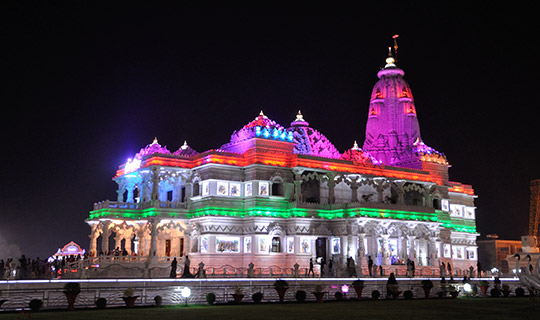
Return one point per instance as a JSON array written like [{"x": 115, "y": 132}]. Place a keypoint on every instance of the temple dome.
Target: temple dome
[
  {"x": 310, "y": 141},
  {"x": 185, "y": 150},
  {"x": 260, "y": 127},
  {"x": 152, "y": 148},
  {"x": 392, "y": 126},
  {"x": 359, "y": 156}
]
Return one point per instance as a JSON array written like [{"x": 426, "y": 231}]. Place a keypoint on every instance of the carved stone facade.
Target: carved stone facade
[{"x": 276, "y": 196}]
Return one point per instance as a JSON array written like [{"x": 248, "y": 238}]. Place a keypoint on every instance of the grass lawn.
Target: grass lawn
[{"x": 458, "y": 309}]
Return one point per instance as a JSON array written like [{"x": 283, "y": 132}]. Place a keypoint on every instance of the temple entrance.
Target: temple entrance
[
  {"x": 320, "y": 248},
  {"x": 181, "y": 247},
  {"x": 168, "y": 247}
]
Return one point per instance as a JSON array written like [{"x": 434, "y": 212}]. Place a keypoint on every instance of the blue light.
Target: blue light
[
  {"x": 266, "y": 133},
  {"x": 257, "y": 131}
]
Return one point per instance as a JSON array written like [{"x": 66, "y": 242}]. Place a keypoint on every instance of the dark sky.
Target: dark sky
[{"x": 85, "y": 88}]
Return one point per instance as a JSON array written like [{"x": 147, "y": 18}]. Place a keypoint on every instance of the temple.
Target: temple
[{"x": 278, "y": 196}]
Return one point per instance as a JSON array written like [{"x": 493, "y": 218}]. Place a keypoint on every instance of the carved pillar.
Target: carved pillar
[
  {"x": 412, "y": 248},
  {"x": 399, "y": 189},
  {"x": 155, "y": 184},
  {"x": 94, "y": 234},
  {"x": 130, "y": 187},
  {"x": 153, "y": 238},
  {"x": 403, "y": 252},
  {"x": 380, "y": 186},
  {"x": 331, "y": 184},
  {"x": 432, "y": 252},
  {"x": 384, "y": 249},
  {"x": 105, "y": 237},
  {"x": 128, "y": 235},
  {"x": 298, "y": 185},
  {"x": 354, "y": 190},
  {"x": 362, "y": 260}
]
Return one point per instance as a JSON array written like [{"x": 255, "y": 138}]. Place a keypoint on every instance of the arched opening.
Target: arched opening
[
  {"x": 196, "y": 191},
  {"x": 311, "y": 191},
  {"x": 277, "y": 189},
  {"x": 437, "y": 204},
  {"x": 276, "y": 244}
]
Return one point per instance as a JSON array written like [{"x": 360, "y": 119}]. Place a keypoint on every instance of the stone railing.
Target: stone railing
[
  {"x": 16, "y": 294},
  {"x": 139, "y": 205}
]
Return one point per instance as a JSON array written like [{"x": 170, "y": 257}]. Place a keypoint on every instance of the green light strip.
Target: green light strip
[{"x": 443, "y": 218}]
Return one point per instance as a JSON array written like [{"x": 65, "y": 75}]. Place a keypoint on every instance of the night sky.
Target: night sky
[{"x": 85, "y": 88}]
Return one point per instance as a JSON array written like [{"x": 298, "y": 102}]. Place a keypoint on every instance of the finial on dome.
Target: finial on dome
[
  {"x": 355, "y": 146},
  {"x": 185, "y": 145},
  {"x": 299, "y": 121},
  {"x": 299, "y": 116},
  {"x": 155, "y": 141},
  {"x": 390, "y": 59}
]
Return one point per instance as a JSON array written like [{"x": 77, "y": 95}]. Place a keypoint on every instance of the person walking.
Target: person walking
[
  {"x": 311, "y": 268},
  {"x": 370, "y": 266},
  {"x": 174, "y": 264}
]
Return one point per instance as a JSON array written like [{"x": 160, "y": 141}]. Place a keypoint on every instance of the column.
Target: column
[
  {"x": 331, "y": 184},
  {"x": 153, "y": 238},
  {"x": 298, "y": 184},
  {"x": 105, "y": 237},
  {"x": 94, "y": 234},
  {"x": 155, "y": 184},
  {"x": 128, "y": 237},
  {"x": 432, "y": 253},
  {"x": 399, "y": 190},
  {"x": 354, "y": 191},
  {"x": 385, "y": 252},
  {"x": 412, "y": 248}
]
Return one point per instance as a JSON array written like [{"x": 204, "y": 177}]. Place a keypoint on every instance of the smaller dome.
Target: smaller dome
[
  {"x": 260, "y": 127},
  {"x": 152, "y": 148},
  {"x": 310, "y": 141},
  {"x": 427, "y": 153},
  {"x": 185, "y": 150},
  {"x": 358, "y": 156}
]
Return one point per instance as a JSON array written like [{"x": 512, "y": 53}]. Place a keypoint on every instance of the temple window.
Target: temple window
[
  {"x": 196, "y": 191},
  {"x": 276, "y": 244},
  {"x": 277, "y": 189}
]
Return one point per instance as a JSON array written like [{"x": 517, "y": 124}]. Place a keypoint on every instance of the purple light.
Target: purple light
[{"x": 345, "y": 288}]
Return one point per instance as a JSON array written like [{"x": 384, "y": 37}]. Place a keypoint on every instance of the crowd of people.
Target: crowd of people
[{"x": 27, "y": 268}]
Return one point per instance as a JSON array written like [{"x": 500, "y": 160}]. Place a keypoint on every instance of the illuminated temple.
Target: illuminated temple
[{"x": 277, "y": 196}]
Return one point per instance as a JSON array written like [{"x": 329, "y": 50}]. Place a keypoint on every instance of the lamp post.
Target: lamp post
[{"x": 186, "y": 293}]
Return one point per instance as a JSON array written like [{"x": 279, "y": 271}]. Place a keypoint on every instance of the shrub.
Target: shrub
[
  {"x": 210, "y": 298},
  {"x": 101, "y": 303},
  {"x": 358, "y": 283},
  {"x": 35, "y": 305},
  {"x": 257, "y": 297},
  {"x": 520, "y": 292},
  {"x": 338, "y": 295},
  {"x": 427, "y": 283},
  {"x": 495, "y": 292},
  {"x": 278, "y": 284},
  {"x": 318, "y": 288},
  {"x": 72, "y": 287},
  {"x": 129, "y": 292},
  {"x": 375, "y": 294},
  {"x": 300, "y": 296},
  {"x": 408, "y": 294},
  {"x": 158, "y": 300}
]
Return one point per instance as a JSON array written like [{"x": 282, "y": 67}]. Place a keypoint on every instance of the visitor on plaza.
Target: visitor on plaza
[
  {"x": 174, "y": 264},
  {"x": 370, "y": 266}
]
